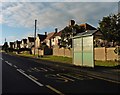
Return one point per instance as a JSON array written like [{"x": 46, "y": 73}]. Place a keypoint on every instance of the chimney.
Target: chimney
[
  {"x": 46, "y": 33},
  {"x": 56, "y": 30},
  {"x": 71, "y": 22}
]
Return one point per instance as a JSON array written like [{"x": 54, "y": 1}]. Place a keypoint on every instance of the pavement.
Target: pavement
[{"x": 111, "y": 74}]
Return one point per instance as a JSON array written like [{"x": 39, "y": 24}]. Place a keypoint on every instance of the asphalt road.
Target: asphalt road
[{"x": 22, "y": 75}]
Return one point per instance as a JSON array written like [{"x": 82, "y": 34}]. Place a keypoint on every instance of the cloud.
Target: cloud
[
  {"x": 59, "y": 0},
  {"x": 23, "y": 14}
]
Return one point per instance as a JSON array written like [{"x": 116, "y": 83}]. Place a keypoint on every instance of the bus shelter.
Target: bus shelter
[{"x": 83, "y": 49}]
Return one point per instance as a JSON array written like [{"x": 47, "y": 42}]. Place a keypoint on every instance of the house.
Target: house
[
  {"x": 30, "y": 42},
  {"x": 12, "y": 45},
  {"x": 17, "y": 44},
  {"x": 39, "y": 39},
  {"x": 23, "y": 43},
  {"x": 56, "y": 39},
  {"x": 48, "y": 39}
]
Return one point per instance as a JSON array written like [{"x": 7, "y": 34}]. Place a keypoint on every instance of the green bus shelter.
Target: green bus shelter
[{"x": 83, "y": 49}]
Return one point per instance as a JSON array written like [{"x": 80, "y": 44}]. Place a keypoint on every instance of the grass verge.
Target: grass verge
[
  {"x": 106, "y": 63},
  {"x": 69, "y": 60}
]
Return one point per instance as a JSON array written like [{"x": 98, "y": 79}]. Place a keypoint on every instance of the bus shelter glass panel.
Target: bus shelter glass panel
[
  {"x": 88, "y": 57},
  {"x": 77, "y": 60}
]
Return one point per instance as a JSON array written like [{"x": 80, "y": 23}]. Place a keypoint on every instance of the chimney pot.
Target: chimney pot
[
  {"x": 46, "y": 33},
  {"x": 56, "y": 30},
  {"x": 71, "y": 22}
]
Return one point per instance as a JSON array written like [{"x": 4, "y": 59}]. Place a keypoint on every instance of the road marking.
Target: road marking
[
  {"x": 79, "y": 78},
  {"x": 55, "y": 90},
  {"x": 95, "y": 76},
  {"x": 15, "y": 66},
  {"x": 37, "y": 69},
  {"x": 1, "y": 58},
  {"x": 44, "y": 69},
  {"x": 21, "y": 71},
  {"x": 84, "y": 76},
  {"x": 65, "y": 77},
  {"x": 8, "y": 63},
  {"x": 50, "y": 69},
  {"x": 33, "y": 77}
]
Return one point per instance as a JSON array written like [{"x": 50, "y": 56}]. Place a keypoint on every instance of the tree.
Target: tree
[
  {"x": 68, "y": 32},
  {"x": 109, "y": 26}
]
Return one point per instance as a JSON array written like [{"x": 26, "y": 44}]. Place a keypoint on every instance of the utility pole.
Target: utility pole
[
  {"x": 5, "y": 39},
  {"x": 35, "y": 35}
]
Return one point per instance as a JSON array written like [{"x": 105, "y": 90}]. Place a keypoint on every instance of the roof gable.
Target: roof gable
[
  {"x": 58, "y": 33},
  {"x": 24, "y": 40},
  {"x": 88, "y": 26},
  {"x": 41, "y": 37},
  {"x": 31, "y": 39},
  {"x": 50, "y": 35}
]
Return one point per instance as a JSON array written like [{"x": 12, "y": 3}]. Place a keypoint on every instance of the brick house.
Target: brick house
[
  {"x": 30, "y": 42},
  {"x": 12, "y": 45},
  {"x": 17, "y": 44},
  {"x": 39, "y": 39},
  {"x": 48, "y": 39},
  {"x": 56, "y": 38},
  {"x": 23, "y": 43}
]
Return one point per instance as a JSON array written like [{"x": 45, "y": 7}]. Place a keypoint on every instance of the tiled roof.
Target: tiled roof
[
  {"x": 41, "y": 37},
  {"x": 50, "y": 35},
  {"x": 58, "y": 33},
  {"x": 24, "y": 40},
  {"x": 18, "y": 42},
  {"x": 11, "y": 43},
  {"x": 31, "y": 39},
  {"x": 88, "y": 26}
]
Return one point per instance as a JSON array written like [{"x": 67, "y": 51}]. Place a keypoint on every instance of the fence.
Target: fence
[
  {"x": 101, "y": 53},
  {"x": 62, "y": 52},
  {"x": 104, "y": 54}
]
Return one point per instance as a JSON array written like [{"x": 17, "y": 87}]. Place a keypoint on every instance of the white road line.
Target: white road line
[
  {"x": 95, "y": 76},
  {"x": 33, "y": 77},
  {"x": 8, "y": 63},
  {"x": 65, "y": 77},
  {"x": 44, "y": 69},
  {"x": 49, "y": 69},
  {"x": 55, "y": 90},
  {"x": 1, "y": 58},
  {"x": 21, "y": 71},
  {"x": 15, "y": 66}
]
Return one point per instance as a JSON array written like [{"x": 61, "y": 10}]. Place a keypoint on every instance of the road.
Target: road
[{"x": 22, "y": 75}]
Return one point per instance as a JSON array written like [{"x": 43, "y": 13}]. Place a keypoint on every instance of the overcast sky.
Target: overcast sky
[{"x": 17, "y": 18}]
